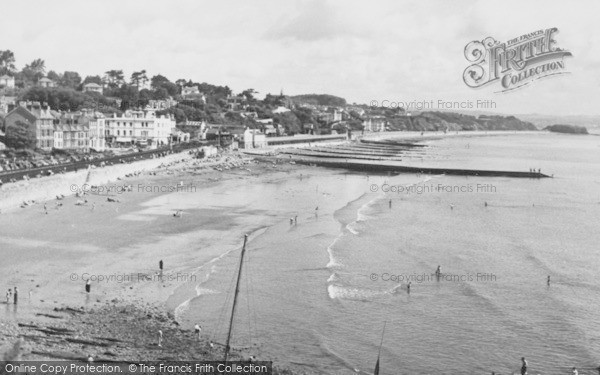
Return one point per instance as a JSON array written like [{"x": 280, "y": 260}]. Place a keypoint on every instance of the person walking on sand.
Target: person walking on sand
[
  {"x": 8, "y": 293},
  {"x": 438, "y": 272},
  {"x": 296, "y": 220},
  {"x": 390, "y": 203},
  {"x": 197, "y": 330},
  {"x": 548, "y": 280},
  {"x": 160, "y": 265},
  {"x": 408, "y": 287},
  {"x": 88, "y": 286},
  {"x": 16, "y": 295},
  {"x": 523, "y": 366},
  {"x": 575, "y": 372},
  {"x": 160, "y": 338}
]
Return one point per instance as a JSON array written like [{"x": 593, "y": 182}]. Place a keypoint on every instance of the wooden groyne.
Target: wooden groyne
[
  {"x": 366, "y": 166},
  {"x": 391, "y": 143}
]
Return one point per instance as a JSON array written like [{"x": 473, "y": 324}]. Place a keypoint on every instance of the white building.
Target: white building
[
  {"x": 189, "y": 90},
  {"x": 254, "y": 138},
  {"x": 158, "y": 105},
  {"x": 46, "y": 82},
  {"x": 374, "y": 124},
  {"x": 139, "y": 127},
  {"x": 97, "y": 132},
  {"x": 92, "y": 87},
  {"x": 7, "y": 81}
]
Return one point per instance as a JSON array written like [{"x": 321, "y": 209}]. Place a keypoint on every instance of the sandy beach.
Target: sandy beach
[{"x": 115, "y": 235}]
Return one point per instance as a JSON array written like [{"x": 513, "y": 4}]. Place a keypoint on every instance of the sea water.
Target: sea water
[{"x": 315, "y": 294}]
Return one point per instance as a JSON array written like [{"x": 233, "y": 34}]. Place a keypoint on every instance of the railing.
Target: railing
[{"x": 6, "y": 176}]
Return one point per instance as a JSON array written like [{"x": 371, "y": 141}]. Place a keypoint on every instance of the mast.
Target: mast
[
  {"x": 376, "y": 372},
  {"x": 237, "y": 289}
]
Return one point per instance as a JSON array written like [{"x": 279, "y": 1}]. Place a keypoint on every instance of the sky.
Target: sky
[{"x": 363, "y": 51}]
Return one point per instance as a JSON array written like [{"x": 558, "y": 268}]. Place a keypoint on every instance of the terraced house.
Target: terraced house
[
  {"x": 71, "y": 131},
  {"x": 30, "y": 125}
]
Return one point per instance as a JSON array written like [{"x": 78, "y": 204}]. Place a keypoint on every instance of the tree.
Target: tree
[
  {"x": 38, "y": 66},
  {"x": 160, "y": 83},
  {"x": 7, "y": 62},
  {"x": 249, "y": 94},
  {"x": 70, "y": 79},
  {"x": 139, "y": 78},
  {"x": 20, "y": 136},
  {"x": 114, "y": 78},
  {"x": 129, "y": 96},
  {"x": 93, "y": 79},
  {"x": 54, "y": 76}
]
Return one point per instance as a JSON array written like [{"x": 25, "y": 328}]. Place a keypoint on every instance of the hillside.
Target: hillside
[
  {"x": 319, "y": 99},
  {"x": 440, "y": 121}
]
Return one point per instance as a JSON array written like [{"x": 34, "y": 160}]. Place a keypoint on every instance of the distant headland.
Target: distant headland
[{"x": 569, "y": 129}]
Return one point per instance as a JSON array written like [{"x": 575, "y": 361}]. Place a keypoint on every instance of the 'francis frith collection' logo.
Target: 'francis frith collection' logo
[{"x": 515, "y": 63}]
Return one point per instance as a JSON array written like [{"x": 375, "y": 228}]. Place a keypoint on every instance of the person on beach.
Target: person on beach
[
  {"x": 575, "y": 372},
  {"x": 523, "y": 366},
  {"x": 408, "y": 287},
  {"x": 16, "y": 295},
  {"x": 295, "y": 219},
  {"x": 485, "y": 204},
  {"x": 291, "y": 220},
  {"x": 197, "y": 330},
  {"x": 8, "y": 293},
  {"x": 438, "y": 272},
  {"x": 548, "y": 280},
  {"x": 390, "y": 204},
  {"x": 88, "y": 286},
  {"x": 160, "y": 265},
  {"x": 160, "y": 338}
]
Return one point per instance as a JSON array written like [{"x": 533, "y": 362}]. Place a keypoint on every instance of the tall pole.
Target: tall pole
[{"x": 237, "y": 289}]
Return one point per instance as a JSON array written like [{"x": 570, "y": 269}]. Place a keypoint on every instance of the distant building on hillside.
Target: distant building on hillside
[
  {"x": 235, "y": 103},
  {"x": 7, "y": 103},
  {"x": 46, "y": 82},
  {"x": 92, "y": 87},
  {"x": 280, "y": 110},
  {"x": 160, "y": 105},
  {"x": 7, "y": 81},
  {"x": 189, "y": 90},
  {"x": 30, "y": 121}
]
